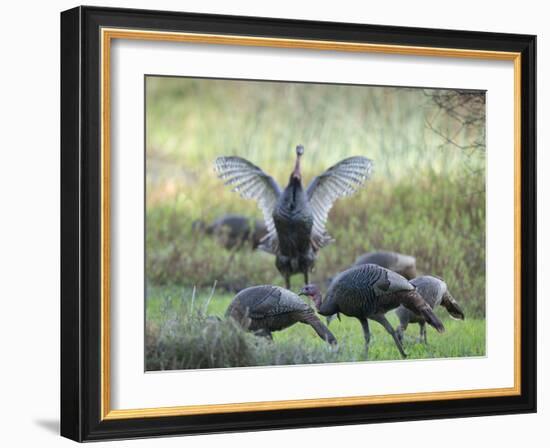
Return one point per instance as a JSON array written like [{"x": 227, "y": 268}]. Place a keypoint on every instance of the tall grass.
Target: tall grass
[{"x": 192, "y": 121}]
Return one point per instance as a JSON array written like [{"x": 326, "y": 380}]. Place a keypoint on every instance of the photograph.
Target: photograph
[{"x": 292, "y": 223}]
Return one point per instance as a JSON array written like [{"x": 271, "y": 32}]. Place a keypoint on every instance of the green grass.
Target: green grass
[
  {"x": 182, "y": 334},
  {"x": 426, "y": 198}
]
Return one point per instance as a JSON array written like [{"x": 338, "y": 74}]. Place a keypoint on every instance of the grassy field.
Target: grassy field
[
  {"x": 426, "y": 198},
  {"x": 182, "y": 333}
]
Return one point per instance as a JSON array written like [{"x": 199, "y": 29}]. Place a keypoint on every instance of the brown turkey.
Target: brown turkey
[
  {"x": 368, "y": 292},
  {"x": 265, "y": 309},
  {"x": 435, "y": 293},
  {"x": 234, "y": 231},
  {"x": 295, "y": 217},
  {"x": 404, "y": 265}
]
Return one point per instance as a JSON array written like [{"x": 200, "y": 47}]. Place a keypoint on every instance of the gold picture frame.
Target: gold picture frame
[{"x": 108, "y": 30}]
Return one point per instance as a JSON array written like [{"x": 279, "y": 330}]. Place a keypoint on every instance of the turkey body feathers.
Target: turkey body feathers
[
  {"x": 400, "y": 263},
  {"x": 293, "y": 220},
  {"x": 267, "y": 308},
  {"x": 232, "y": 231},
  {"x": 364, "y": 290},
  {"x": 431, "y": 289}
]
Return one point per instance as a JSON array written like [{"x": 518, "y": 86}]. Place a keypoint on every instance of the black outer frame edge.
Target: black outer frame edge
[
  {"x": 529, "y": 222},
  {"x": 71, "y": 384},
  {"x": 84, "y": 388},
  {"x": 307, "y": 29}
]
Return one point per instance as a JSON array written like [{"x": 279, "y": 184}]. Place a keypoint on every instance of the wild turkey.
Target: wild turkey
[
  {"x": 233, "y": 231},
  {"x": 368, "y": 292},
  {"x": 264, "y": 309},
  {"x": 435, "y": 292},
  {"x": 404, "y": 265},
  {"x": 295, "y": 218},
  {"x": 400, "y": 263},
  {"x": 260, "y": 230}
]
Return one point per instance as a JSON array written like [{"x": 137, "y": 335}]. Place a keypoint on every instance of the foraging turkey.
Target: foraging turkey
[
  {"x": 233, "y": 231},
  {"x": 404, "y": 265},
  {"x": 264, "y": 309},
  {"x": 435, "y": 293},
  {"x": 368, "y": 292},
  {"x": 394, "y": 261},
  {"x": 295, "y": 217}
]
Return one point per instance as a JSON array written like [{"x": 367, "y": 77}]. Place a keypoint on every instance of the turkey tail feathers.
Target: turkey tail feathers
[
  {"x": 418, "y": 305},
  {"x": 431, "y": 318},
  {"x": 450, "y": 304}
]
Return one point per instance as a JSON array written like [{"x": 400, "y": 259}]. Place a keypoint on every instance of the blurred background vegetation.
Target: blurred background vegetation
[{"x": 426, "y": 196}]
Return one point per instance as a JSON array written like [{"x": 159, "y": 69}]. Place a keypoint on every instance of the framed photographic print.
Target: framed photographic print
[{"x": 272, "y": 223}]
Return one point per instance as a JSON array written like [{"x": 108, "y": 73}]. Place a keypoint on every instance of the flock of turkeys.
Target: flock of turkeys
[{"x": 294, "y": 232}]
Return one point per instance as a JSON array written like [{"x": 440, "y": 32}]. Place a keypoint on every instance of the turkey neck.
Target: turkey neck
[
  {"x": 324, "y": 308},
  {"x": 295, "y": 182},
  {"x": 297, "y": 173}
]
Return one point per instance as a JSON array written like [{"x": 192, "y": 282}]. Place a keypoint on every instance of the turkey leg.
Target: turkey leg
[
  {"x": 264, "y": 333},
  {"x": 423, "y": 334},
  {"x": 401, "y": 328},
  {"x": 366, "y": 333},
  {"x": 287, "y": 281},
  {"x": 381, "y": 319}
]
